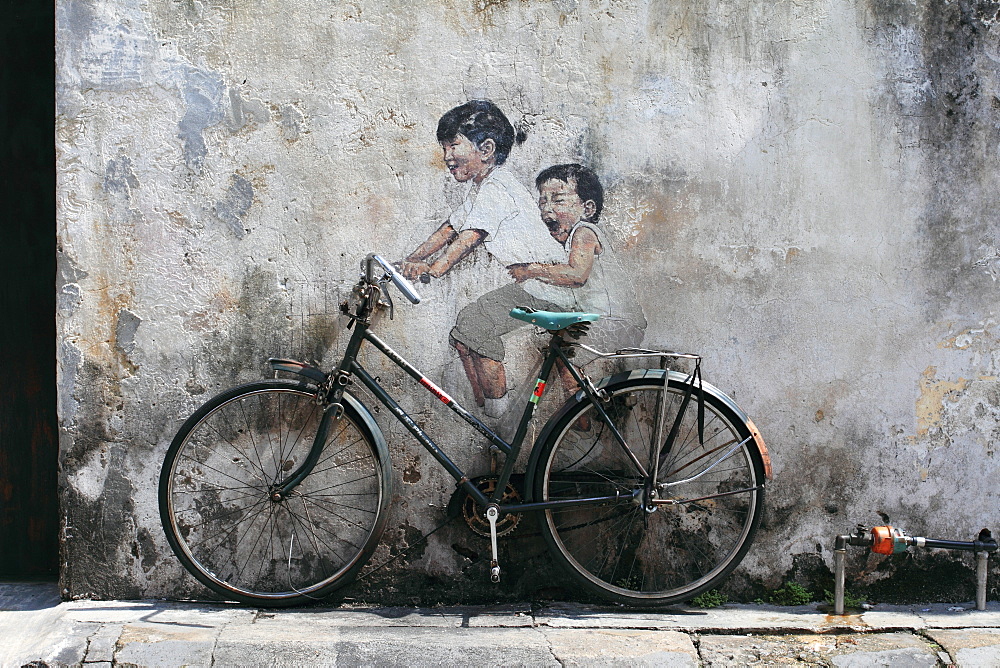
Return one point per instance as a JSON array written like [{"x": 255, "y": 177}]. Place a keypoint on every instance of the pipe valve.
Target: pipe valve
[{"x": 889, "y": 540}]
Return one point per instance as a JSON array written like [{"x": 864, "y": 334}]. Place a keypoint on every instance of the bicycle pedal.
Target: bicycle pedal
[{"x": 495, "y": 572}]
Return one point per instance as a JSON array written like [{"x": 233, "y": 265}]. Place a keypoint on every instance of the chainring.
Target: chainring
[{"x": 475, "y": 517}]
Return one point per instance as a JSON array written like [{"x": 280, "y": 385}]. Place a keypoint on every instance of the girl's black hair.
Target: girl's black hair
[
  {"x": 588, "y": 186},
  {"x": 479, "y": 120}
]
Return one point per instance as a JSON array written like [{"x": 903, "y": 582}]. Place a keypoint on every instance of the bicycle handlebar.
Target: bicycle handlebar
[{"x": 398, "y": 280}]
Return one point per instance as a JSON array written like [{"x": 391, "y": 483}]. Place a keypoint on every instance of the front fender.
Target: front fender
[{"x": 359, "y": 411}]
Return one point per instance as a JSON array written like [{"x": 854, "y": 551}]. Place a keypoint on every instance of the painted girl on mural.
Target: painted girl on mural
[{"x": 499, "y": 213}]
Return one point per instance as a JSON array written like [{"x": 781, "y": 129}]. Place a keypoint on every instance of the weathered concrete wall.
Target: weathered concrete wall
[{"x": 806, "y": 192}]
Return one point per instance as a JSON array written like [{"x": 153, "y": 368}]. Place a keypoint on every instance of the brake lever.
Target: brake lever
[{"x": 385, "y": 293}]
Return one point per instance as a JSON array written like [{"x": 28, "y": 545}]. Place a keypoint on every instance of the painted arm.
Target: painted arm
[
  {"x": 416, "y": 263},
  {"x": 464, "y": 243},
  {"x": 573, "y": 274}
]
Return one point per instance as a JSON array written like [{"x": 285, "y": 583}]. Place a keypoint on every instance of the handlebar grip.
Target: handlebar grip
[{"x": 399, "y": 281}]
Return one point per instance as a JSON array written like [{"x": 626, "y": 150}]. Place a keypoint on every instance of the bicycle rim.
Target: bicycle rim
[
  {"x": 218, "y": 514},
  {"x": 675, "y": 552}
]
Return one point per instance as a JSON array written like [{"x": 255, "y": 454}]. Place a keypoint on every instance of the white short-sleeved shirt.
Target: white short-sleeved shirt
[{"x": 503, "y": 208}]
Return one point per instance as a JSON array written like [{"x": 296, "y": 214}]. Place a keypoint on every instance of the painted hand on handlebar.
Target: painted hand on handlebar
[{"x": 413, "y": 270}]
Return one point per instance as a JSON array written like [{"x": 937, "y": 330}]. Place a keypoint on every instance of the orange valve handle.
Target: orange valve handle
[{"x": 887, "y": 540}]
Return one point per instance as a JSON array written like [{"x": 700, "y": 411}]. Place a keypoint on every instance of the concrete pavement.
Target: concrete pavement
[{"x": 37, "y": 628}]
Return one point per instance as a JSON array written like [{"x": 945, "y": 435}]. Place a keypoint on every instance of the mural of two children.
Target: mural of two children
[{"x": 559, "y": 257}]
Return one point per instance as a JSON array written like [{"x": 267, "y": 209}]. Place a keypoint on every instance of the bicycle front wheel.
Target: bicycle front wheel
[
  {"x": 710, "y": 491},
  {"x": 218, "y": 513}
]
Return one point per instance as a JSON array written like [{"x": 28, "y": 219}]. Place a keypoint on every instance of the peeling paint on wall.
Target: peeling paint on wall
[
  {"x": 203, "y": 93},
  {"x": 233, "y": 208},
  {"x": 933, "y": 395}
]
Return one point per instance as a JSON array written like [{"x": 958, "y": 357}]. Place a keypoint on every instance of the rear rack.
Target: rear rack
[{"x": 637, "y": 352}]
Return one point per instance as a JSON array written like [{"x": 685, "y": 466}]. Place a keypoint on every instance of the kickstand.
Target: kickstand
[{"x": 492, "y": 513}]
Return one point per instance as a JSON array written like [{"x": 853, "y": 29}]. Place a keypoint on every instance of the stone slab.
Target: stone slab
[
  {"x": 624, "y": 647},
  {"x": 969, "y": 648},
  {"x": 515, "y": 615},
  {"x": 28, "y": 596},
  {"x": 954, "y": 616},
  {"x": 727, "y": 618},
  {"x": 155, "y": 645},
  {"x": 164, "y": 612},
  {"x": 841, "y": 650},
  {"x": 34, "y": 628},
  {"x": 386, "y": 646},
  {"x": 103, "y": 644}
]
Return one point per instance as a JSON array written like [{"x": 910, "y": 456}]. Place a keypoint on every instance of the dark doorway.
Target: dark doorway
[{"x": 29, "y": 499}]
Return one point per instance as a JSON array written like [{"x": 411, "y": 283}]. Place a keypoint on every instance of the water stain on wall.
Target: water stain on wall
[{"x": 235, "y": 205}]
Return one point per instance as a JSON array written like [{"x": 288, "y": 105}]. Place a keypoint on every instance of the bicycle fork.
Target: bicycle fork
[{"x": 281, "y": 490}]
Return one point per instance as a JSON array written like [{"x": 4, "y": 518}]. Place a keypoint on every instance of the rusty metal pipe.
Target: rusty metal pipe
[
  {"x": 887, "y": 540},
  {"x": 982, "y": 561},
  {"x": 839, "y": 559}
]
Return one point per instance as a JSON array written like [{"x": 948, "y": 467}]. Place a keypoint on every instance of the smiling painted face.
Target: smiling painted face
[
  {"x": 466, "y": 161},
  {"x": 561, "y": 207}
]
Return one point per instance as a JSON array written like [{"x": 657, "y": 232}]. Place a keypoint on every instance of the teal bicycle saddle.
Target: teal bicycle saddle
[{"x": 550, "y": 319}]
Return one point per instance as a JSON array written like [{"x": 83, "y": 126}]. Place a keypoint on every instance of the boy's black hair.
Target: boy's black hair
[
  {"x": 588, "y": 186},
  {"x": 479, "y": 120}
]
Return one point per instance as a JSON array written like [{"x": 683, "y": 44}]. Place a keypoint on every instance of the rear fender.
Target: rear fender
[{"x": 639, "y": 374}]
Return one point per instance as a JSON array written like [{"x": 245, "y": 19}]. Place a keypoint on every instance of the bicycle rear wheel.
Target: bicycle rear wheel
[
  {"x": 216, "y": 507},
  {"x": 675, "y": 552}
]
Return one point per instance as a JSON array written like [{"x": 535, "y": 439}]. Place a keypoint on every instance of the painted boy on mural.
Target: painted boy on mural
[
  {"x": 570, "y": 201},
  {"x": 499, "y": 213}
]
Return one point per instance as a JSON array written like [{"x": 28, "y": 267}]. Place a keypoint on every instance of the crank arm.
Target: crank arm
[{"x": 492, "y": 514}]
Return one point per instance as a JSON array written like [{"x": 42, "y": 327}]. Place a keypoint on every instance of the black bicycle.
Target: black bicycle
[{"x": 649, "y": 484}]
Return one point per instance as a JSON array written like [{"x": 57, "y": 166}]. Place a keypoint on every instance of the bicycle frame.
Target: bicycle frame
[
  {"x": 373, "y": 296},
  {"x": 371, "y": 300},
  {"x": 510, "y": 450}
]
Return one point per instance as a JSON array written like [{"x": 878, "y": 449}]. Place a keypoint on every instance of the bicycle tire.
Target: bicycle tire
[
  {"x": 216, "y": 509},
  {"x": 621, "y": 552}
]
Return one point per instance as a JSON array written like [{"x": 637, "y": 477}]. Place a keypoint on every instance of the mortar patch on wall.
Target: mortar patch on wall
[
  {"x": 244, "y": 112},
  {"x": 292, "y": 122},
  {"x": 119, "y": 176},
  {"x": 125, "y": 330},
  {"x": 114, "y": 49}
]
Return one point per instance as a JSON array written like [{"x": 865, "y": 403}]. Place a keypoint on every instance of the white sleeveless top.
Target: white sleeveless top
[{"x": 608, "y": 290}]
